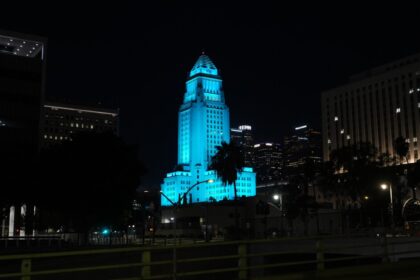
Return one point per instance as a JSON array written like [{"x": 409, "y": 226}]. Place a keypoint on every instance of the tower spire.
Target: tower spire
[{"x": 204, "y": 65}]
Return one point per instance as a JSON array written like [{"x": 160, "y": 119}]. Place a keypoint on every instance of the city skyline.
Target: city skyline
[
  {"x": 285, "y": 56},
  {"x": 237, "y": 140}
]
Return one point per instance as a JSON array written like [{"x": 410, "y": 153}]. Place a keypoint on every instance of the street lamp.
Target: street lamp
[
  {"x": 177, "y": 204},
  {"x": 210, "y": 181},
  {"x": 278, "y": 201},
  {"x": 384, "y": 187}
]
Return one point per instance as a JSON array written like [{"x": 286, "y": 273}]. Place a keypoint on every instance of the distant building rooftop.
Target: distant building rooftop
[
  {"x": 21, "y": 44},
  {"x": 81, "y": 108},
  {"x": 386, "y": 68}
]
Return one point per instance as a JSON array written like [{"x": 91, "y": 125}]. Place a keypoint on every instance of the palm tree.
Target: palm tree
[
  {"x": 355, "y": 162},
  {"x": 227, "y": 162},
  {"x": 401, "y": 148}
]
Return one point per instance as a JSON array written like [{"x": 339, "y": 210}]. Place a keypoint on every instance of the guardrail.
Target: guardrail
[
  {"x": 30, "y": 241},
  {"x": 238, "y": 259}
]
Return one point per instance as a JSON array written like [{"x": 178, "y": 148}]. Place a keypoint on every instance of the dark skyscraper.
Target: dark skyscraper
[
  {"x": 303, "y": 144},
  {"x": 22, "y": 84},
  {"x": 268, "y": 162},
  {"x": 376, "y": 106},
  {"x": 244, "y": 138}
]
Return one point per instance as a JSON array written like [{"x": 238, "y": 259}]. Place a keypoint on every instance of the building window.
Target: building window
[
  {"x": 398, "y": 110},
  {"x": 336, "y": 118}
]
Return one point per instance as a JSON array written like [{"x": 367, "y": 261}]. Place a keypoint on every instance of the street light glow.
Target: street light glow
[
  {"x": 366, "y": 197},
  {"x": 276, "y": 197},
  {"x": 210, "y": 181},
  {"x": 384, "y": 186}
]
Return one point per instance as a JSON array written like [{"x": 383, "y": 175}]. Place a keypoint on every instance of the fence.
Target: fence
[
  {"x": 30, "y": 242},
  {"x": 220, "y": 260}
]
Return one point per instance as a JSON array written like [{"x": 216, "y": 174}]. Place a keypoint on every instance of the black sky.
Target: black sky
[{"x": 275, "y": 59}]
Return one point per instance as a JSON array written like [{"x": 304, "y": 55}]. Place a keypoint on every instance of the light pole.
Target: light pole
[
  {"x": 190, "y": 188},
  {"x": 384, "y": 187},
  {"x": 176, "y": 205},
  {"x": 278, "y": 200}
]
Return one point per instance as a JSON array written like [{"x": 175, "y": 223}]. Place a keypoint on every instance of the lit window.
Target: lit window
[
  {"x": 415, "y": 139},
  {"x": 336, "y": 118},
  {"x": 329, "y": 141},
  {"x": 398, "y": 110},
  {"x": 411, "y": 91},
  {"x": 342, "y": 131},
  {"x": 348, "y": 137}
]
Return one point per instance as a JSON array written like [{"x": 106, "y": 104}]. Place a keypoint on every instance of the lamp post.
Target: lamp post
[
  {"x": 278, "y": 200},
  {"x": 190, "y": 188},
  {"x": 177, "y": 204},
  {"x": 384, "y": 187}
]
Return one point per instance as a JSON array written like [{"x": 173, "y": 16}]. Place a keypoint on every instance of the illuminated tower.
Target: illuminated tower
[{"x": 203, "y": 124}]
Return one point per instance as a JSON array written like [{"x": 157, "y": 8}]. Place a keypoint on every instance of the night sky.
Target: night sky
[{"x": 275, "y": 61}]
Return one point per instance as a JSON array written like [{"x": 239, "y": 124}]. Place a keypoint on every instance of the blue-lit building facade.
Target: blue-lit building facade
[{"x": 203, "y": 124}]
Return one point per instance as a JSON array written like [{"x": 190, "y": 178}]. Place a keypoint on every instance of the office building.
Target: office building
[
  {"x": 63, "y": 120},
  {"x": 376, "y": 106},
  {"x": 245, "y": 140},
  {"x": 22, "y": 85},
  {"x": 304, "y": 143},
  {"x": 203, "y": 124},
  {"x": 268, "y": 162}
]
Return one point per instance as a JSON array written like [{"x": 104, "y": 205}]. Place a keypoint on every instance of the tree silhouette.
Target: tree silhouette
[
  {"x": 89, "y": 182},
  {"x": 401, "y": 148},
  {"x": 227, "y": 162},
  {"x": 356, "y": 163}
]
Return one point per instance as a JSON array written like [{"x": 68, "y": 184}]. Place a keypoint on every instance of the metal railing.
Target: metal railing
[{"x": 239, "y": 259}]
